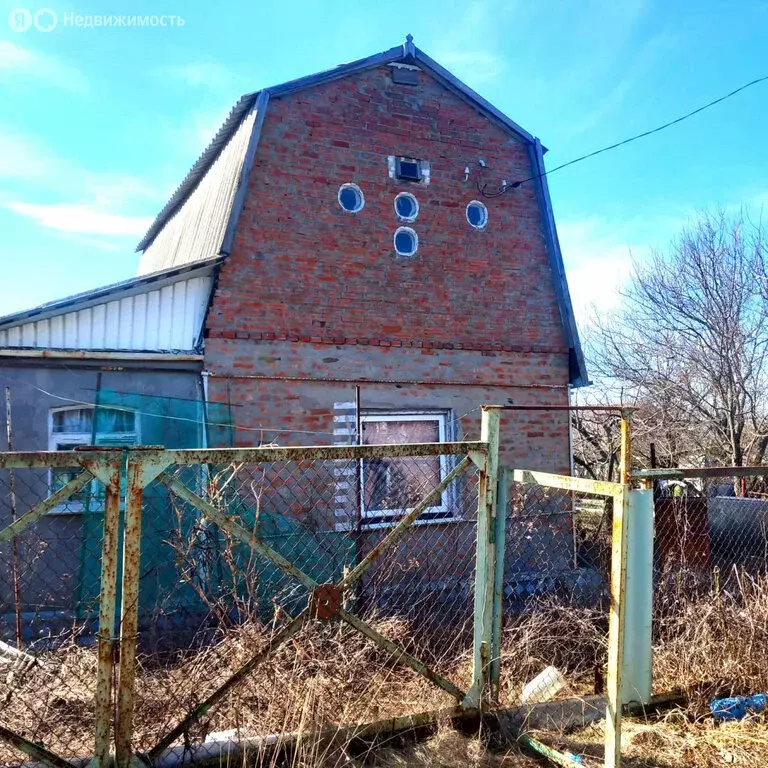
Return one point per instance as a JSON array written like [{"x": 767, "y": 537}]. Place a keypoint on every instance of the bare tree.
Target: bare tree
[{"x": 689, "y": 345}]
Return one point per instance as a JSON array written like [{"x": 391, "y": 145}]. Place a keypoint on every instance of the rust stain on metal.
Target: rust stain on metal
[
  {"x": 35, "y": 751},
  {"x": 400, "y": 654},
  {"x": 50, "y": 459},
  {"x": 235, "y": 529},
  {"x": 130, "y": 614},
  {"x": 310, "y": 453},
  {"x": 107, "y": 610},
  {"x": 325, "y": 601},
  {"x": 46, "y": 505}
]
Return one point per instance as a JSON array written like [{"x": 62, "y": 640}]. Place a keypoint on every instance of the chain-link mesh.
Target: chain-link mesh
[
  {"x": 710, "y": 582},
  {"x": 49, "y": 606},
  {"x": 556, "y": 593},
  {"x": 210, "y": 602}
]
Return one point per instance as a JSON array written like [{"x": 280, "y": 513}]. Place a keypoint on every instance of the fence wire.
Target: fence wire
[
  {"x": 49, "y": 604},
  {"x": 556, "y": 593},
  {"x": 710, "y": 583},
  {"x": 209, "y": 602}
]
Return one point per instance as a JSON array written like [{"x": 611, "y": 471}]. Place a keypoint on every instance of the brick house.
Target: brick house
[
  {"x": 357, "y": 236},
  {"x": 364, "y": 243}
]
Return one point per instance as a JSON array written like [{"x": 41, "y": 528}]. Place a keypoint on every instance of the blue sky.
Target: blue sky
[{"x": 99, "y": 125}]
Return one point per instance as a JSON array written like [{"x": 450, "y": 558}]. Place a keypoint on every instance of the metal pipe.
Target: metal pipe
[
  {"x": 616, "y": 619},
  {"x": 107, "y": 610},
  {"x": 129, "y": 614},
  {"x": 498, "y": 581}
]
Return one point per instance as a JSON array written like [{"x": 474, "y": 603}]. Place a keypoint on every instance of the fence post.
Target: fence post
[
  {"x": 636, "y": 675},
  {"x": 485, "y": 555},
  {"x": 499, "y": 533},
  {"x": 138, "y": 474},
  {"x": 617, "y": 610},
  {"x": 107, "y": 609}
]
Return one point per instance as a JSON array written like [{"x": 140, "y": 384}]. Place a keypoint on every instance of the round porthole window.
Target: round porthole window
[
  {"x": 406, "y": 206},
  {"x": 406, "y": 241},
  {"x": 351, "y": 198},
  {"x": 477, "y": 214}
]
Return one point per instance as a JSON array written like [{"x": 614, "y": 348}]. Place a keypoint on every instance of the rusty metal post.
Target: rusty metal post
[
  {"x": 485, "y": 557},
  {"x": 107, "y": 603},
  {"x": 142, "y": 466},
  {"x": 129, "y": 615},
  {"x": 617, "y": 610}
]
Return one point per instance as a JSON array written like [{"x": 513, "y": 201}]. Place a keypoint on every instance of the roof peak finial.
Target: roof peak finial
[{"x": 409, "y": 47}]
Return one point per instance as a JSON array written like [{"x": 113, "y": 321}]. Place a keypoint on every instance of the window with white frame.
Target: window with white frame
[
  {"x": 391, "y": 487},
  {"x": 72, "y": 427}
]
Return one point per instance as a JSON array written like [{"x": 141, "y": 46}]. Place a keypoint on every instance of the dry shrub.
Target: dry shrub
[
  {"x": 52, "y": 701},
  {"x": 572, "y": 638},
  {"x": 713, "y": 643}
]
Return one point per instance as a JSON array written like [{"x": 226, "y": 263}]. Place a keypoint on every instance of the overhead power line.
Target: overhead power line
[{"x": 504, "y": 189}]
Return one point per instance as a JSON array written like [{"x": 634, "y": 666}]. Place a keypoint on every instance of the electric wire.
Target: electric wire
[{"x": 482, "y": 189}]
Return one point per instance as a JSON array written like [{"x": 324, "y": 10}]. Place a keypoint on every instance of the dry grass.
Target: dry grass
[
  {"x": 678, "y": 740},
  {"x": 329, "y": 675}
]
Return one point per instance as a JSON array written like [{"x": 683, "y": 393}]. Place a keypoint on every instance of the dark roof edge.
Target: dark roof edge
[
  {"x": 105, "y": 291},
  {"x": 407, "y": 52},
  {"x": 577, "y": 368},
  {"x": 455, "y": 84}
]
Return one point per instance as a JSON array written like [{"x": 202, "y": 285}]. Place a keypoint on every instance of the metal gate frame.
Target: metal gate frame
[
  {"x": 151, "y": 464},
  {"x": 142, "y": 465},
  {"x": 104, "y": 465}
]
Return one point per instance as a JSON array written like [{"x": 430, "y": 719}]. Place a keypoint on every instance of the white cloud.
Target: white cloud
[
  {"x": 82, "y": 218},
  {"x": 459, "y": 51},
  {"x": 22, "y": 66},
  {"x": 38, "y": 184},
  {"x": 24, "y": 158},
  {"x": 598, "y": 261},
  {"x": 203, "y": 74}
]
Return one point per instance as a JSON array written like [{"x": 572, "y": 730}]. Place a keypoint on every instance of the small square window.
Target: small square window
[{"x": 407, "y": 169}]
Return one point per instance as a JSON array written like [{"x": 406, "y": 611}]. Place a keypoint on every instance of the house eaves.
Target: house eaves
[{"x": 161, "y": 313}]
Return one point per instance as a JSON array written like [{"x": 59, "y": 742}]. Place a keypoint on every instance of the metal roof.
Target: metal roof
[{"x": 110, "y": 292}]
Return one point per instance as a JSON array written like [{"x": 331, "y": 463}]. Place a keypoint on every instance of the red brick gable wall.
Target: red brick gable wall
[{"x": 302, "y": 269}]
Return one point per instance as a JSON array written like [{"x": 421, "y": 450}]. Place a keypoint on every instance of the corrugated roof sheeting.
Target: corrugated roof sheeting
[
  {"x": 196, "y": 230},
  {"x": 166, "y": 318}
]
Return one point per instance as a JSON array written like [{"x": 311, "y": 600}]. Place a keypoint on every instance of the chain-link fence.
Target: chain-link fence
[
  {"x": 241, "y": 593},
  {"x": 172, "y": 603},
  {"x": 710, "y": 579},
  {"x": 51, "y": 523},
  {"x": 556, "y": 590},
  {"x": 233, "y": 554}
]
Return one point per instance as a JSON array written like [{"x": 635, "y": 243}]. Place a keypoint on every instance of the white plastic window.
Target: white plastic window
[{"x": 351, "y": 198}]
